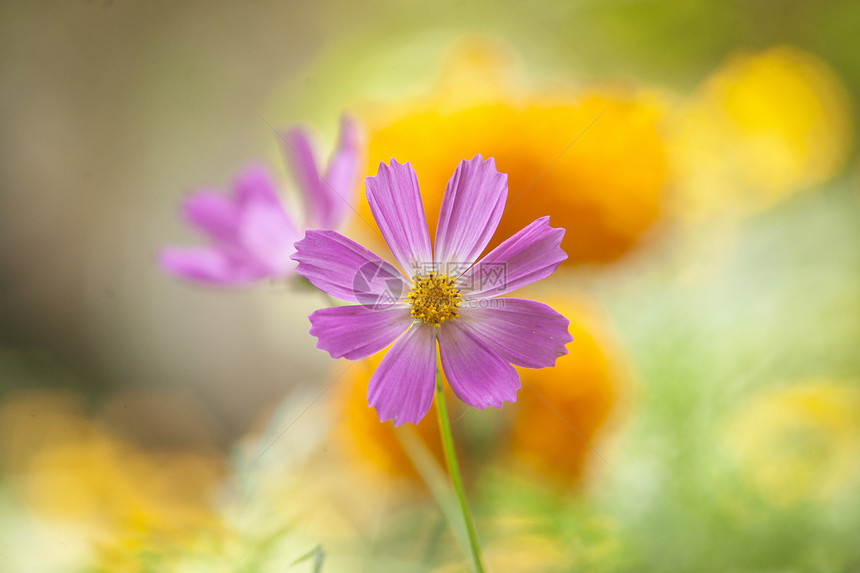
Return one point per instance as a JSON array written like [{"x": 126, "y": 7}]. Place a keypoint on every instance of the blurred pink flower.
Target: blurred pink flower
[
  {"x": 450, "y": 298},
  {"x": 251, "y": 233}
]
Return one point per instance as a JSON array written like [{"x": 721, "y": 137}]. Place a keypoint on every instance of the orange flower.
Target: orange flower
[
  {"x": 373, "y": 445},
  {"x": 560, "y": 411},
  {"x": 594, "y": 159}
]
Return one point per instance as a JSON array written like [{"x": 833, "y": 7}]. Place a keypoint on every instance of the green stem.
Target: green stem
[{"x": 454, "y": 471}]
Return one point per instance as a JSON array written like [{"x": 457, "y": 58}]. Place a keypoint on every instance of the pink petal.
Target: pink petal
[
  {"x": 253, "y": 236},
  {"x": 396, "y": 205},
  {"x": 471, "y": 209},
  {"x": 344, "y": 269},
  {"x": 523, "y": 332},
  {"x": 341, "y": 174},
  {"x": 479, "y": 376},
  {"x": 254, "y": 185},
  {"x": 268, "y": 235},
  {"x": 212, "y": 212},
  {"x": 401, "y": 388},
  {"x": 529, "y": 255},
  {"x": 355, "y": 332},
  {"x": 299, "y": 157},
  {"x": 210, "y": 265}
]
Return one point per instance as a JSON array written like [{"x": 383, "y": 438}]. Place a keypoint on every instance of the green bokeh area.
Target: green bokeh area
[{"x": 780, "y": 311}]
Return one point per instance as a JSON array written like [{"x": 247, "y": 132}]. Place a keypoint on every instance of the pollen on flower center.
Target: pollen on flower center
[{"x": 434, "y": 298}]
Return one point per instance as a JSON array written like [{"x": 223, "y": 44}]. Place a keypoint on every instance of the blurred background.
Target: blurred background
[{"x": 702, "y": 158}]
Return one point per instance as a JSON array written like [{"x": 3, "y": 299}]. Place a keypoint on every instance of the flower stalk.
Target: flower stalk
[{"x": 454, "y": 472}]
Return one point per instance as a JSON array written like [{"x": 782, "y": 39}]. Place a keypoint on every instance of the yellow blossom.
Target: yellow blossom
[
  {"x": 67, "y": 467},
  {"x": 801, "y": 442},
  {"x": 761, "y": 127}
]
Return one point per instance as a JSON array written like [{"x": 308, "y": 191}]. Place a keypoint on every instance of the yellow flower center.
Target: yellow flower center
[{"x": 434, "y": 299}]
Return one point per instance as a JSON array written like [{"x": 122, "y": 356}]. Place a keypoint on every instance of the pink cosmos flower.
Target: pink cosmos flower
[
  {"x": 251, "y": 233},
  {"x": 443, "y": 296}
]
